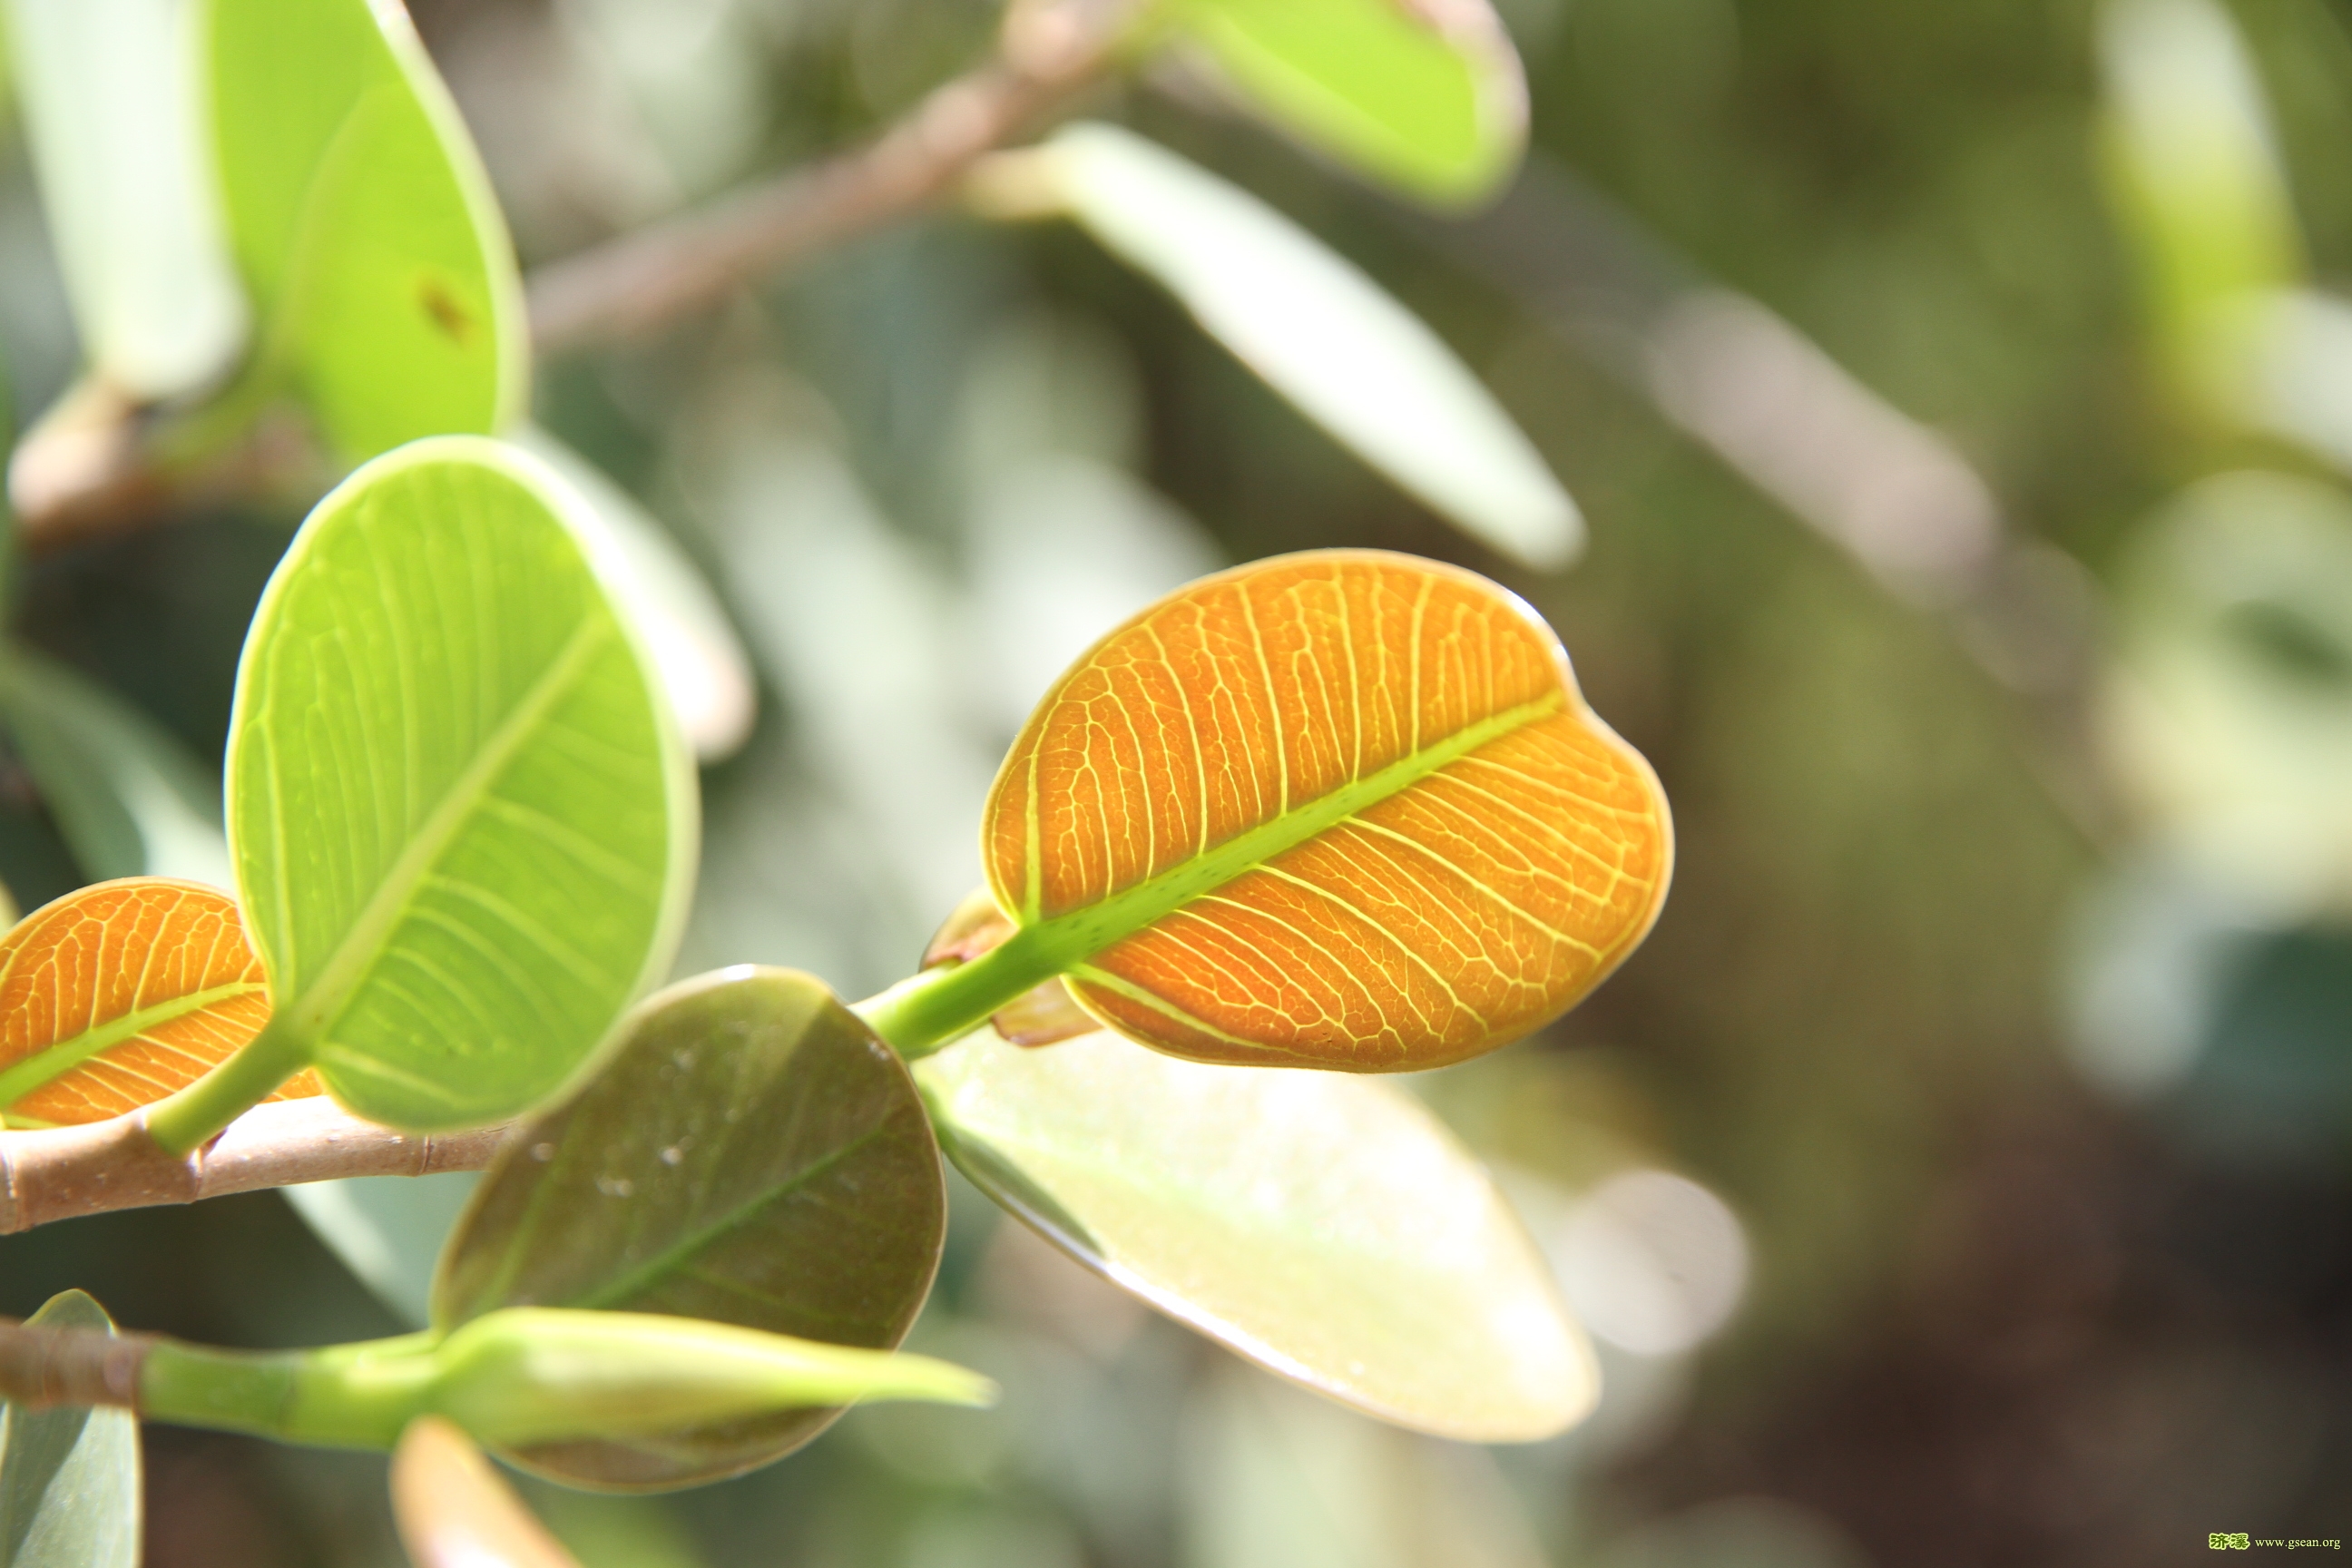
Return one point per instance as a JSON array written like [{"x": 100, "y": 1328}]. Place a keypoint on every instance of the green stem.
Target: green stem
[
  {"x": 926, "y": 1012},
  {"x": 346, "y": 1396},
  {"x": 181, "y": 1121},
  {"x": 519, "y": 1375}
]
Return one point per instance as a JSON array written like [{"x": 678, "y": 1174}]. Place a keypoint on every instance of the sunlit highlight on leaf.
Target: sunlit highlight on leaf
[{"x": 1326, "y": 1227}]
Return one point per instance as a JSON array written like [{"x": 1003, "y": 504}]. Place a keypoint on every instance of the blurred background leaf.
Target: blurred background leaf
[
  {"x": 454, "y": 1511},
  {"x": 126, "y": 798},
  {"x": 1326, "y": 1227},
  {"x": 378, "y": 260},
  {"x": 70, "y": 1474},
  {"x": 110, "y": 96},
  {"x": 1319, "y": 331},
  {"x": 1426, "y": 96}
]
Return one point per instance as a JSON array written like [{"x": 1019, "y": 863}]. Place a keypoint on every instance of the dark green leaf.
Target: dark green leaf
[
  {"x": 70, "y": 1476},
  {"x": 751, "y": 1155}
]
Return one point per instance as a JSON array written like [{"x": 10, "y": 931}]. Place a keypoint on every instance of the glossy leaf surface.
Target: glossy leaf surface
[
  {"x": 1324, "y": 1226},
  {"x": 364, "y": 222},
  {"x": 1341, "y": 809},
  {"x": 1320, "y": 332},
  {"x": 1424, "y": 95},
  {"x": 115, "y": 996},
  {"x": 69, "y": 1493},
  {"x": 463, "y": 823},
  {"x": 455, "y": 1513},
  {"x": 129, "y": 799},
  {"x": 751, "y": 1155}
]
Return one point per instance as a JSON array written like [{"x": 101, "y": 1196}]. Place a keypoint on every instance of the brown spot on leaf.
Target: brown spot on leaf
[{"x": 447, "y": 313}]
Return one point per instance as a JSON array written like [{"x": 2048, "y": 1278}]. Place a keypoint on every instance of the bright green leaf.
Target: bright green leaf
[
  {"x": 128, "y": 798},
  {"x": 1324, "y": 1226},
  {"x": 109, "y": 93},
  {"x": 750, "y": 1155},
  {"x": 70, "y": 1476},
  {"x": 1319, "y": 331},
  {"x": 1425, "y": 95},
  {"x": 463, "y": 825},
  {"x": 364, "y": 222}
]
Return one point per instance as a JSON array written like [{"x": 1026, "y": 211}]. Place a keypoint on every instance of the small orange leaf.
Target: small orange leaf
[
  {"x": 454, "y": 1511},
  {"x": 115, "y": 996},
  {"x": 1343, "y": 809}
]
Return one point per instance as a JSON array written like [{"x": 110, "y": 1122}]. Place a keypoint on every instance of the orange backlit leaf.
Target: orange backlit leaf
[
  {"x": 115, "y": 996},
  {"x": 1343, "y": 809}
]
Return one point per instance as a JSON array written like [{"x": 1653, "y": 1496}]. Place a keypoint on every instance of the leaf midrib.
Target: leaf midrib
[
  {"x": 943, "y": 1003},
  {"x": 703, "y": 1237},
  {"x": 321, "y": 1002},
  {"x": 1080, "y": 933},
  {"x": 58, "y": 1058}
]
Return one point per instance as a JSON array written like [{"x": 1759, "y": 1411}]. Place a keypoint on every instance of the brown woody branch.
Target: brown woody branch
[
  {"x": 98, "y": 472},
  {"x": 62, "y": 1173},
  {"x": 658, "y": 274},
  {"x": 41, "y": 1367}
]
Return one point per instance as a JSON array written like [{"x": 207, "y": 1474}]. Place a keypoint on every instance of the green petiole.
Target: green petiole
[{"x": 181, "y": 1123}]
